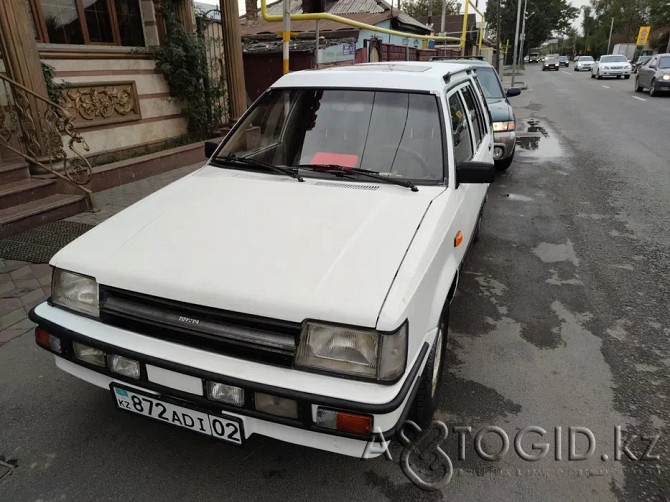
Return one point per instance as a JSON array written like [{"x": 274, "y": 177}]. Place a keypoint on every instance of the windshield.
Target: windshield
[
  {"x": 490, "y": 83},
  {"x": 614, "y": 59},
  {"x": 397, "y": 134},
  {"x": 586, "y": 58},
  {"x": 643, "y": 59},
  {"x": 562, "y": 58},
  {"x": 664, "y": 62}
]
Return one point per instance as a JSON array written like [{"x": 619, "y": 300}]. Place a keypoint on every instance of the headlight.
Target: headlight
[
  {"x": 351, "y": 351},
  {"x": 666, "y": 77},
  {"x": 75, "y": 291},
  {"x": 503, "y": 126}
]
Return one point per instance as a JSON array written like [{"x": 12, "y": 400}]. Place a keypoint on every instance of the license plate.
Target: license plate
[{"x": 219, "y": 426}]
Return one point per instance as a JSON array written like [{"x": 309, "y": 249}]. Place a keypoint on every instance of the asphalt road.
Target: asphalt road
[{"x": 561, "y": 321}]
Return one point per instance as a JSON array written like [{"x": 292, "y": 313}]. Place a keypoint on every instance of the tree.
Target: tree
[
  {"x": 419, "y": 8},
  {"x": 549, "y": 17}
]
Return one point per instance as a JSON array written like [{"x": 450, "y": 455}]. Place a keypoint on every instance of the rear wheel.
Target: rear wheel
[
  {"x": 428, "y": 394},
  {"x": 638, "y": 87}
]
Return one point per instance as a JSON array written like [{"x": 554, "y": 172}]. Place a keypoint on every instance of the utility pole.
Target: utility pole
[
  {"x": 430, "y": 13},
  {"x": 523, "y": 32},
  {"x": 443, "y": 21},
  {"x": 286, "y": 34},
  {"x": 516, "y": 41},
  {"x": 232, "y": 52},
  {"x": 497, "y": 38},
  {"x": 610, "y": 39}
]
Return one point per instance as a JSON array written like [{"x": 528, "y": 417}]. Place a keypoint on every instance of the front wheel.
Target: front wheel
[
  {"x": 638, "y": 87},
  {"x": 428, "y": 394},
  {"x": 503, "y": 164},
  {"x": 652, "y": 89},
  {"x": 599, "y": 76},
  {"x": 592, "y": 75}
]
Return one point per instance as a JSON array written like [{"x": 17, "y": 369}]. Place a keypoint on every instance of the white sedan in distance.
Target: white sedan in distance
[{"x": 612, "y": 65}]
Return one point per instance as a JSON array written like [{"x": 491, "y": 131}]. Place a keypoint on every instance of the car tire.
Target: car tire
[
  {"x": 592, "y": 75},
  {"x": 638, "y": 87},
  {"x": 652, "y": 88},
  {"x": 428, "y": 393},
  {"x": 503, "y": 164},
  {"x": 626, "y": 77},
  {"x": 599, "y": 76}
]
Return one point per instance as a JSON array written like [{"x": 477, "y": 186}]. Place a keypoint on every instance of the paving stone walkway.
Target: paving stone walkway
[{"x": 24, "y": 285}]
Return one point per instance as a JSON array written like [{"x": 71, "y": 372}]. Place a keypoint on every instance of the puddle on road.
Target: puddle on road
[{"x": 538, "y": 139}]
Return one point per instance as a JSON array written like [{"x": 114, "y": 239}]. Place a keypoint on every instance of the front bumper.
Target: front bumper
[
  {"x": 662, "y": 85},
  {"x": 503, "y": 142},
  {"x": 614, "y": 73},
  {"x": 581, "y": 67},
  {"x": 179, "y": 372}
]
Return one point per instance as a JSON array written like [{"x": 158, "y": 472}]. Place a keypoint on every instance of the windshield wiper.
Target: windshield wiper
[
  {"x": 336, "y": 168},
  {"x": 233, "y": 159}
]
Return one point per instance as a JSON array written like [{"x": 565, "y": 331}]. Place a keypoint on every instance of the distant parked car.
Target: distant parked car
[
  {"x": 640, "y": 61},
  {"x": 564, "y": 61},
  {"x": 583, "y": 63},
  {"x": 611, "y": 65},
  {"x": 654, "y": 75},
  {"x": 551, "y": 64}
]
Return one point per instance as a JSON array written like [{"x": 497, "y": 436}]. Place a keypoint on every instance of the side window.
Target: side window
[
  {"x": 460, "y": 129},
  {"x": 485, "y": 110},
  {"x": 476, "y": 116}
]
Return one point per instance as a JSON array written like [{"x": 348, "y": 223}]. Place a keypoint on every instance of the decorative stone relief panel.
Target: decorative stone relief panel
[{"x": 93, "y": 104}]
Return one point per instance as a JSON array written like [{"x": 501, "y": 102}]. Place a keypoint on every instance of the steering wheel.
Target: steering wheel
[{"x": 414, "y": 155}]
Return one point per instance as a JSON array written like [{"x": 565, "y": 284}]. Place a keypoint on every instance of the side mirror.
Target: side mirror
[
  {"x": 210, "y": 148},
  {"x": 471, "y": 171},
  {"x": 513, "y": 91}
]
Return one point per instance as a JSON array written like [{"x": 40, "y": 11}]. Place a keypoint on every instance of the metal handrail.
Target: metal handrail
[{"x": 42, "y": 137}]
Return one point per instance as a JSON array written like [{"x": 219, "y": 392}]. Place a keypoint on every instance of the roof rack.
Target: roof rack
[
  {"x": 443, "y": 58},
  {"x": 448, "y": 76}
]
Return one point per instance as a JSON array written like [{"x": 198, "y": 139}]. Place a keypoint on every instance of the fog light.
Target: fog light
[
  {"x": 345, "y": 422},
  {"x": 278, "y": 406},
  {"x": 497, "y": 152},
  {"x": 124, "y": 366},
  {"x": 225, "y": 393},
  {"x": 88, "y": 354}
]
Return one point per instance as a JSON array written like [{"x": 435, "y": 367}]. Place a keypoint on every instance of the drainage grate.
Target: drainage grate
[
  {"x": 352, "y": 186},
  {"x": 39, "y": 244}
]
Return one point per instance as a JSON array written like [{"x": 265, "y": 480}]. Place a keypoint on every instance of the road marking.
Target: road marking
[
  {"x": 641, "y": 99},
  {"x": 568, "y": 74},
  {"x": 605, "y": 86}
]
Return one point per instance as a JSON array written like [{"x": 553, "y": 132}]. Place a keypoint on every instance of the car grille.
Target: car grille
[{"x": 231, "y": 333}]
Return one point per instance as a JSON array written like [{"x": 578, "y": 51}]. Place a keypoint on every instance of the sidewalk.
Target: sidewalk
[
  {"x": 24, "y": 285},
  {"x": 506, "y": 77}
]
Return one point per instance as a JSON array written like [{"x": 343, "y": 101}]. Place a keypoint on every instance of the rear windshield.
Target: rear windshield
[
  {"x": 614, "y": 59},
  {"x": 490, "y": 83},
  {"x": 397, "y": 134}
]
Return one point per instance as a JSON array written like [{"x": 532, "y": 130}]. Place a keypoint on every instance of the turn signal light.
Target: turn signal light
[
  {"x": 458, "y": 239},
  {"x": 344, "y": 422},
  {"x": 45, "y": 339}
]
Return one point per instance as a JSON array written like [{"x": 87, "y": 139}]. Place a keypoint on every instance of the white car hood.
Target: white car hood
[{"x": 258, "y": 243}]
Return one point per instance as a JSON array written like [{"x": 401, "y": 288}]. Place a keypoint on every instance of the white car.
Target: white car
[
  {"x": 612, "y": 65},
  {"x": 583, "y": 63},
  {"x": 297, "y": 286}
]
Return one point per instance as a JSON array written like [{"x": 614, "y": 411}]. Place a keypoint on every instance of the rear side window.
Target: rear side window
[
  {"x": 476, "y": 116},
  {"x": 460, "y": 129}
]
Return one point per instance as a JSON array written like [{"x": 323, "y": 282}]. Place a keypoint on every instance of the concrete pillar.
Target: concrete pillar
[
  {"x": 19, "y": 48},
  {"x": 232, "y": 49},
  {"x": 22, "y": 63}
]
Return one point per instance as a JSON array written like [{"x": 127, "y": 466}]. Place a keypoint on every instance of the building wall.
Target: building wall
[
  {"x": 129, "y": 85},
  {"x": 389, "y": 39}
]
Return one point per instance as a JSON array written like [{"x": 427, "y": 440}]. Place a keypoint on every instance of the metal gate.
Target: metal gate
[{"x": 209, "y": 29}]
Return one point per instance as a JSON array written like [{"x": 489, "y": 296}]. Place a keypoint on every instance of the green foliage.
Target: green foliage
[
  {"x": 545, "y": 19},
  {"x": 419, "y": 8},
  {"x": 54, "y": 90},
  {"x": 182, "y": 59},
  {"x": 628, "y": 16}
]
